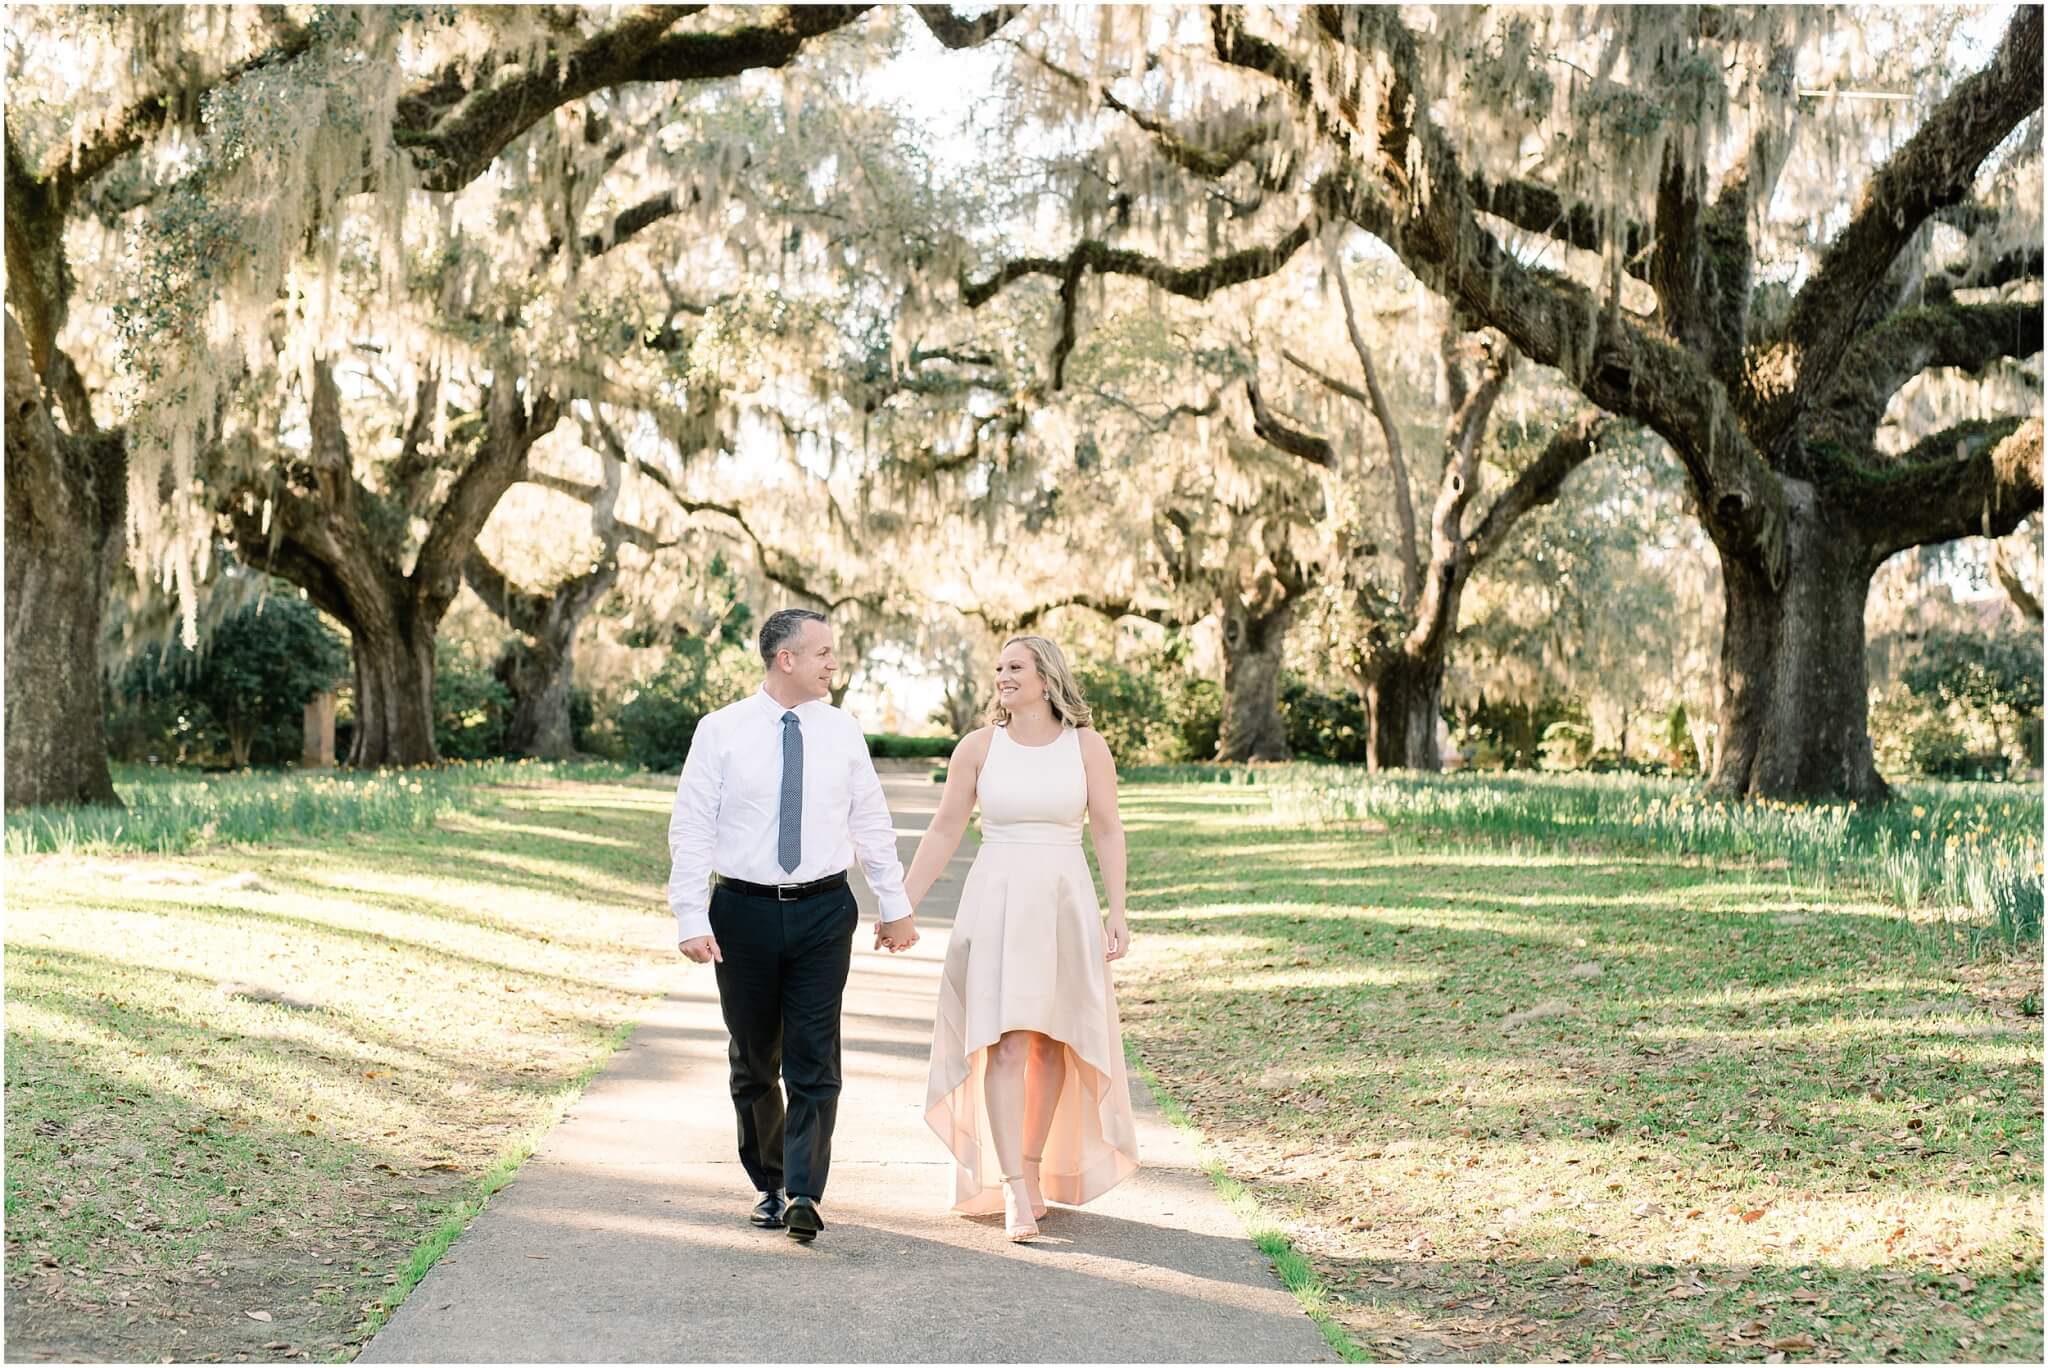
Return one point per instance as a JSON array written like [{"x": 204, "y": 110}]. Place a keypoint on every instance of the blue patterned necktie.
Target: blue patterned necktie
[{"x": 790, "y": 829}]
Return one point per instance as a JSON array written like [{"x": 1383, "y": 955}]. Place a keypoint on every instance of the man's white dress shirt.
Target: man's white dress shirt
[{"x": 729, "y": 807}]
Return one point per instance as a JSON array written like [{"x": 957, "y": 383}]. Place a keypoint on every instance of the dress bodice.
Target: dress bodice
[{"x": 1033, "y": 795}]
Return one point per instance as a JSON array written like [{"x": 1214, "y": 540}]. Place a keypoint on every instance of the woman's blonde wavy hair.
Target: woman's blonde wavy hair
[{"x": 1061, "y": 692}]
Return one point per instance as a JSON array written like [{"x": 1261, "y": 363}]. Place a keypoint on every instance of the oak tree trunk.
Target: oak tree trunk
[
  {"x": 394, "y": 703},
  {"x": 539, "y": 681},
  {"x": 66, "y": 502},
  {"x": 1252, "y": 645},
  {"x": 1403, "y": 704},
  {"x": 1794, "y": 686},
  {"x": 538, "y": 663}
]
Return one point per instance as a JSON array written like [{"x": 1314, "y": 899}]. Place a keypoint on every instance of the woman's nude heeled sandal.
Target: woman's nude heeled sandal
[
  {"x": 1018, "y": 1224},
  {"x": 1033, "y": 1190}
]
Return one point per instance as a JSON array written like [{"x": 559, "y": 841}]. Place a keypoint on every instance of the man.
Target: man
[{"x": 776, "y": 794}]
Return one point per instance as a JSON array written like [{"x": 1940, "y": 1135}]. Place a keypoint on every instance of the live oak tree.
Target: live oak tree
[
  {"x": 668, "y": 519},
  {"x": 319, "y": 141},
  {"x": 1159, "y": 403},
  {"x": 1400, "y": 626},
  {"x": 68, "y": 477},
  {"x": 1128, "y": 494},
  {"x": 1168, "y": 481},
  {"x": 1674, "y": 290},
  {"x": 652, "y": 298},
  {"x": 1609, "y": 597}
]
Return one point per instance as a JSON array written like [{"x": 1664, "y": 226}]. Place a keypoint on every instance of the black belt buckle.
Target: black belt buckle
[{"x": 790, "y": 892}]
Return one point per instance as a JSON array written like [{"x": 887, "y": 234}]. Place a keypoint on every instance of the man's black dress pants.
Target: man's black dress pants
[{"x": 780, "y": 986}]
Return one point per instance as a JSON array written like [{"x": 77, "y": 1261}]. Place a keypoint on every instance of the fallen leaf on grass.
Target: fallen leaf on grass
[
  {"x": 1753, "y": 1214},
  {"x": 263, "y": 1316},
  {"x": 1791, "y": 1342}
]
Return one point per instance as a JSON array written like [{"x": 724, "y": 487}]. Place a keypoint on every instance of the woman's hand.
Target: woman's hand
[{"x": 1116, "y": 935}]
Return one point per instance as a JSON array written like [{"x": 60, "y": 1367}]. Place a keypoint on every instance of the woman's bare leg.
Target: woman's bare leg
[
  {"x": 1003, "y": 1091},
  {"x": 1044, "y": 1076}
]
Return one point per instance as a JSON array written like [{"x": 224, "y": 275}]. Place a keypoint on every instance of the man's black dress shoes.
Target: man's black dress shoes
[
  {"x": 768, "y": 1211},
  {"x": 803, "y": 1220}
]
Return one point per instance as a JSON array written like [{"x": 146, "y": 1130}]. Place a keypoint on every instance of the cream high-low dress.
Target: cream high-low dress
[{"x": 1026, "y": 955}]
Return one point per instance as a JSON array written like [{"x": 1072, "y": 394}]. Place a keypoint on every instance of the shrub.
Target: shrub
[
  {"x": 657, "y": 721},
  {"x": 158, "y": 728},
  {"x": 1680, "y": 755},
  {"x": 1322, "y": 726},
  {"x": 594, "y": 724},
  {"x": 1195, "y": 707},
  {"x": 471, "y": 704},
  {"x": 1508, "y": 734},
  {"x": 242, "y": 695},
  {"x": 1565, "y": 746},
  {"x": 1129, "y": 707}
]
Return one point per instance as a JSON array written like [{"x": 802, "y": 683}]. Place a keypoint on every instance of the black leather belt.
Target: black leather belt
[{"x": 785, "y": 892}]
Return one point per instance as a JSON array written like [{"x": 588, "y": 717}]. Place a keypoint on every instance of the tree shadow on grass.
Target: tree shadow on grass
[
  {"x": 287, "y": 1219},
  {"x": 170, "y": 907},
  {"x": 1715, "y": 1031},
  {"x": 378, "y": 1050},
  {"x": 97, "y": 1040}
]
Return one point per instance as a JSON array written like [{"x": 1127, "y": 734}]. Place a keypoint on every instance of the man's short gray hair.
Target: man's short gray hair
[{"x": 780, "y": 628}]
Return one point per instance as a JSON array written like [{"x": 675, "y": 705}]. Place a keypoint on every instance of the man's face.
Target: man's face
[{"x": 809, "y": 655}]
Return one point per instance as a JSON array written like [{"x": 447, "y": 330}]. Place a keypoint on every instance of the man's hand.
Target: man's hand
[
  {"x": 701, "y": 950},
  {"x": 896, "y": 935}
]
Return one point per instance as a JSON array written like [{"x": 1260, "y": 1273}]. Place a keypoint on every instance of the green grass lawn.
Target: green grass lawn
[
  {"x": 1517, "y": 1079},
  {"x": 242, "y": 1086},
  {"x": 1528, "y": 1097}
]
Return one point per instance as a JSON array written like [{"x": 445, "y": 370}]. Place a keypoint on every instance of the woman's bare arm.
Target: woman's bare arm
[
  {"x": 949, "y": 824},
  {"x": 1107, "y": 828}
]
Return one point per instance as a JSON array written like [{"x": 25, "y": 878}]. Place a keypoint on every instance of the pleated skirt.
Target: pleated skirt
[{"x": 1026, "y": 955}]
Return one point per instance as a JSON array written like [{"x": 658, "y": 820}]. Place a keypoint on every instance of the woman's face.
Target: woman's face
[{"x": 1018, "y": 683}]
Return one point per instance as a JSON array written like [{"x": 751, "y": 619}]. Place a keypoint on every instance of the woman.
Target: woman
[{"x": 1027, "y": 1084}]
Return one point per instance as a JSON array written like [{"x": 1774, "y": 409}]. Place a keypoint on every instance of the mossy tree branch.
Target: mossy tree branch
[
  {"x": 1964, "y": 336},
  {"x": 1978, "y": 479},
  {"x": 1934, "y": 168}
]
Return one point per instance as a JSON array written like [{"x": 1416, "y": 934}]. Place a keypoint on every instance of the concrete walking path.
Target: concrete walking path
[{"x": 624, "y": 1238}]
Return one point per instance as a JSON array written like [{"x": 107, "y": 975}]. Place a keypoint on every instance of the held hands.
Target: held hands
[
  {"x": 1116, "y": 937},
  {"x": 701, "y": 950},
  {"x": 896, "y": 936}
]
